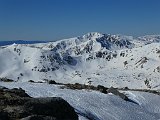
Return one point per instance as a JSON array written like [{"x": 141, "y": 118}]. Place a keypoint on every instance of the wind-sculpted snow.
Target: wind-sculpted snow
[{"x": 110, "y": 60}]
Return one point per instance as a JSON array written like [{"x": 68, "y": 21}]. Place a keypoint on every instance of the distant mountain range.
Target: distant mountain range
[
  {"x": 94, "y": 58},
  {"x": 3, "y": 43}
]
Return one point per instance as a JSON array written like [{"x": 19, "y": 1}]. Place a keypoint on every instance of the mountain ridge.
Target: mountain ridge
[{"x": 94, "y": 58}]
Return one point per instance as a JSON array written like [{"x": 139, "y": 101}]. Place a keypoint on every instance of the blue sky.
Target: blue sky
[{"x": 57, "y": 19}]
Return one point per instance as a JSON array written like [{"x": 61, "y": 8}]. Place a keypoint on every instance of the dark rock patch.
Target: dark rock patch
[
  {"x": 54, "y": 107},
  {"x": 15, "y": 104},
  {"x": 52, "y": 82},
  {"x": 117, "y": 93},
  {"x": 79, "y": 86},
  {"x": 102, "y": 89},
  {"x": 31, "y": 81},
  {"x": 6, "y": 80},
  {"x": 4, "y": 115}
]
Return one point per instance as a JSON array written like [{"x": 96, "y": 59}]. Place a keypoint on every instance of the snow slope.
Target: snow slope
[
  {"x": 92, "y": 105},
  {"x": 109, "y": 60}
]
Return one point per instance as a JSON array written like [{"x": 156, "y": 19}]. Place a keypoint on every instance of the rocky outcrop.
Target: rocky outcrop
[
  {"x": 6, "y": 80},
  {"x": 15, "y": 104},
  {"x": 117, "y": 93},
  {"x": 102, "y": 89}
]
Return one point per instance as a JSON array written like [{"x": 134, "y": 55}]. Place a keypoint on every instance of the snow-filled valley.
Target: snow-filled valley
[{"x": 93, "y": 59}]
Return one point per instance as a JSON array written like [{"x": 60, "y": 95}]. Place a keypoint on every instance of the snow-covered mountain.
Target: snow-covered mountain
[
  {"x": 96, "y": 59},
  {"x": 109, "y": 60}
]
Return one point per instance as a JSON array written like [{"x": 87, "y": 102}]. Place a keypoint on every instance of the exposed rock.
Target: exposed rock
[
  {"x": 52, "y": 82},
  {"x": 4, "y": 115},
  {"x": 102, "y": 89},
  {"x": 79, "y": 86},
  {"x": 142, "y": 61},
  {"x": 6, "y": 79},
  {"x": 116, "y": 92},
  {"x": 158, "y": 69},
  {"x": 15, "y": 104},
  {"x": 125, "y": 88},
  {"x": 53, "y": 106},
  {"x": 31, "y": 81}
]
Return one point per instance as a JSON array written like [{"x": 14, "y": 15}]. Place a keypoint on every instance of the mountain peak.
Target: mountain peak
[{"x": 92, "y": 35}]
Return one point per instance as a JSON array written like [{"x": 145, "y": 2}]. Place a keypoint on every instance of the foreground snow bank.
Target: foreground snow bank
[{"x": 97, "y": 106}]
